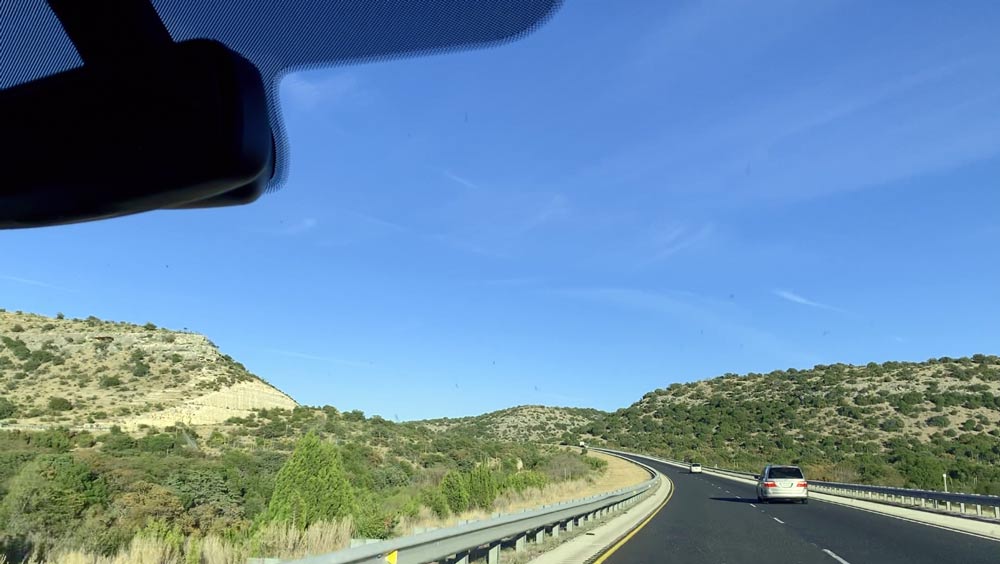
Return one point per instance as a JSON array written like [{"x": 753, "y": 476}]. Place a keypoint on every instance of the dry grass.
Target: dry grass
[
  {"x": 278, "y": 541},
  {"x": 618, "y": 474},
  {"x": 285, "y": 541}
]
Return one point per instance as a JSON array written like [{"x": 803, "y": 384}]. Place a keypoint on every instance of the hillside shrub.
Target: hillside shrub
[
  {"x": 454, "y": 490},
  {"x": 59, "y": 404},
  {"x": 311, "y": 486}
]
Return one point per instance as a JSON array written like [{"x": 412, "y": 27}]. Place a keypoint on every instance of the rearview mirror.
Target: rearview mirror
[
  {"x": 195, "y": 113},
  {"x": 145, "y": 123}
]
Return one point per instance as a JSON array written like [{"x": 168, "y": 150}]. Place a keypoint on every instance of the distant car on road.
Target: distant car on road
[
  {"x": 694, "y": 468},
  {"x": 782, "y": 483}
]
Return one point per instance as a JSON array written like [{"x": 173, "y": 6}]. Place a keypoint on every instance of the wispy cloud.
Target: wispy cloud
[
  {"x": 692, "y": 310},
  {"x": 299, "y": 227},
  {"x": 308, "y": 91},
  {"x": 319, "y": 358},
  {"x": 378, "y": 221},
  {"x": 555, "y": 208},
  {"x": 796, "y": 298},
  {"x": 30, "y": 282},
  {"x": 674, "y": 239},
  {"x": 493, "y": 222},
  {"x": 460, "y": 180}
]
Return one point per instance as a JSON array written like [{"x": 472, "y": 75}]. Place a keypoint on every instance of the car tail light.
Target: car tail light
[
  {"x": 802, "y": 485},
  {"x": 770, "y": 484}
]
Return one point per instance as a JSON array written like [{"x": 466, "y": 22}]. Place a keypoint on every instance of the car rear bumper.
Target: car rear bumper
[{"x": 800, "y": 493}]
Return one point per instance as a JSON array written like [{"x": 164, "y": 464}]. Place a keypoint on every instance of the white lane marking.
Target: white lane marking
[
  {"x": 754, "y": 506},
  {"x": 835, "y": 557},
  {"x": 778, "y": 520}
]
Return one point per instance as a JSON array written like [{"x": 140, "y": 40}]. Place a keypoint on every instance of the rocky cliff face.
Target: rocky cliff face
[{"x": 93, "y": 374}]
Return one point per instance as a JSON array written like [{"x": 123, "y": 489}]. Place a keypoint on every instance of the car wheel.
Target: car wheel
[{"x": 805, "y": 502}]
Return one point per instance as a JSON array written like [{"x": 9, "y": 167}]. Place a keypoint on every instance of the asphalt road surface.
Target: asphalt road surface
[{"x": 714, "y": 520}]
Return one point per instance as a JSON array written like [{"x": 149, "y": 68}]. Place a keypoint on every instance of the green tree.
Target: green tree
[
  {"x": 49, "y": 496},
  {"x": 453, "y": 488},
  {"x": 482, "y": 487},
  {"x": 311, "y": 486}
]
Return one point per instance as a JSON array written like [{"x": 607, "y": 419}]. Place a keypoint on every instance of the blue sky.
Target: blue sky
[{"x": 625, "y": 199}]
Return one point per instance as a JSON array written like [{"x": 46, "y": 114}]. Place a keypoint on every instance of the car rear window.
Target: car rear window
[{"x": 786, "y": 472}]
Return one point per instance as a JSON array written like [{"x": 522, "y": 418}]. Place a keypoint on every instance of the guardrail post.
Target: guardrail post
[
  {"x": 540, "y": 536},
  {"x": 569, "y": 526},
  {"x": 979, "y": 510},
  {"x": 961, "y": 507},
  {"x": 462, "y": 558},
  {"x": 493, "y": 556},
  {"x": 555, "y": 531},
  {"x": 522, "y": 539},
  {"x": 947, "y": 505}
]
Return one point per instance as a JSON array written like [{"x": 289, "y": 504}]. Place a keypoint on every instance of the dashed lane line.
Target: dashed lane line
[{"x": 835, "y": 557}]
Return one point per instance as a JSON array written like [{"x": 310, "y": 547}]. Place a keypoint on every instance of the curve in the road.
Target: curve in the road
[
  {"x": 711, "y": 519},
  {"x": 607, "y": 554}
]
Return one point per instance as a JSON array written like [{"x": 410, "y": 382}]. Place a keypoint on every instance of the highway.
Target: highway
[{"x": 714, "y": 520}]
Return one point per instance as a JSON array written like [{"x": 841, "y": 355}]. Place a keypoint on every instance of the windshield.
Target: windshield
[
  {"x": 784, "y": 472},
  {"x": 508, "y": 278}
]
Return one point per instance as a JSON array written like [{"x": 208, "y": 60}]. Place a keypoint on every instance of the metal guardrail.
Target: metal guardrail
[
  {"x": 966, "y": 505},
  {"x": 461, "y": 543}
]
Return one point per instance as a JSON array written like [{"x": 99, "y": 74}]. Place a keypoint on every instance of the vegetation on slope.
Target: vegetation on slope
[
  {"x": 536, "y": 423},
  {"x": 298, "y": 468},
  {"x": 95, "y": 374},
  {"x": 895, "y": 423}
]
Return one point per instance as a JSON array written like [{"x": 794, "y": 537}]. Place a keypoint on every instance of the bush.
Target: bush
[
  {"x": 523, "y": 480},
  {"x": 436, "y": 501},
  {"x": 59, "y": 404},
  {"x": 938, "y": 421},
  {"x": 7, "y": 408},
  {"x": 482, "y": 487},
  {"x": 453, "y": 489},
  {"x": 110, "y": 382},
  {"x": 891, "y": 424}
]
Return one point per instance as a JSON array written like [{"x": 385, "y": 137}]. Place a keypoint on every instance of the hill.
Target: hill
[
  {"x": 532, "y": 423},
  {"x": 118, "y": 439},
  {"x": 89, "y": 373},
  {"x": 902, "y": 423}
]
